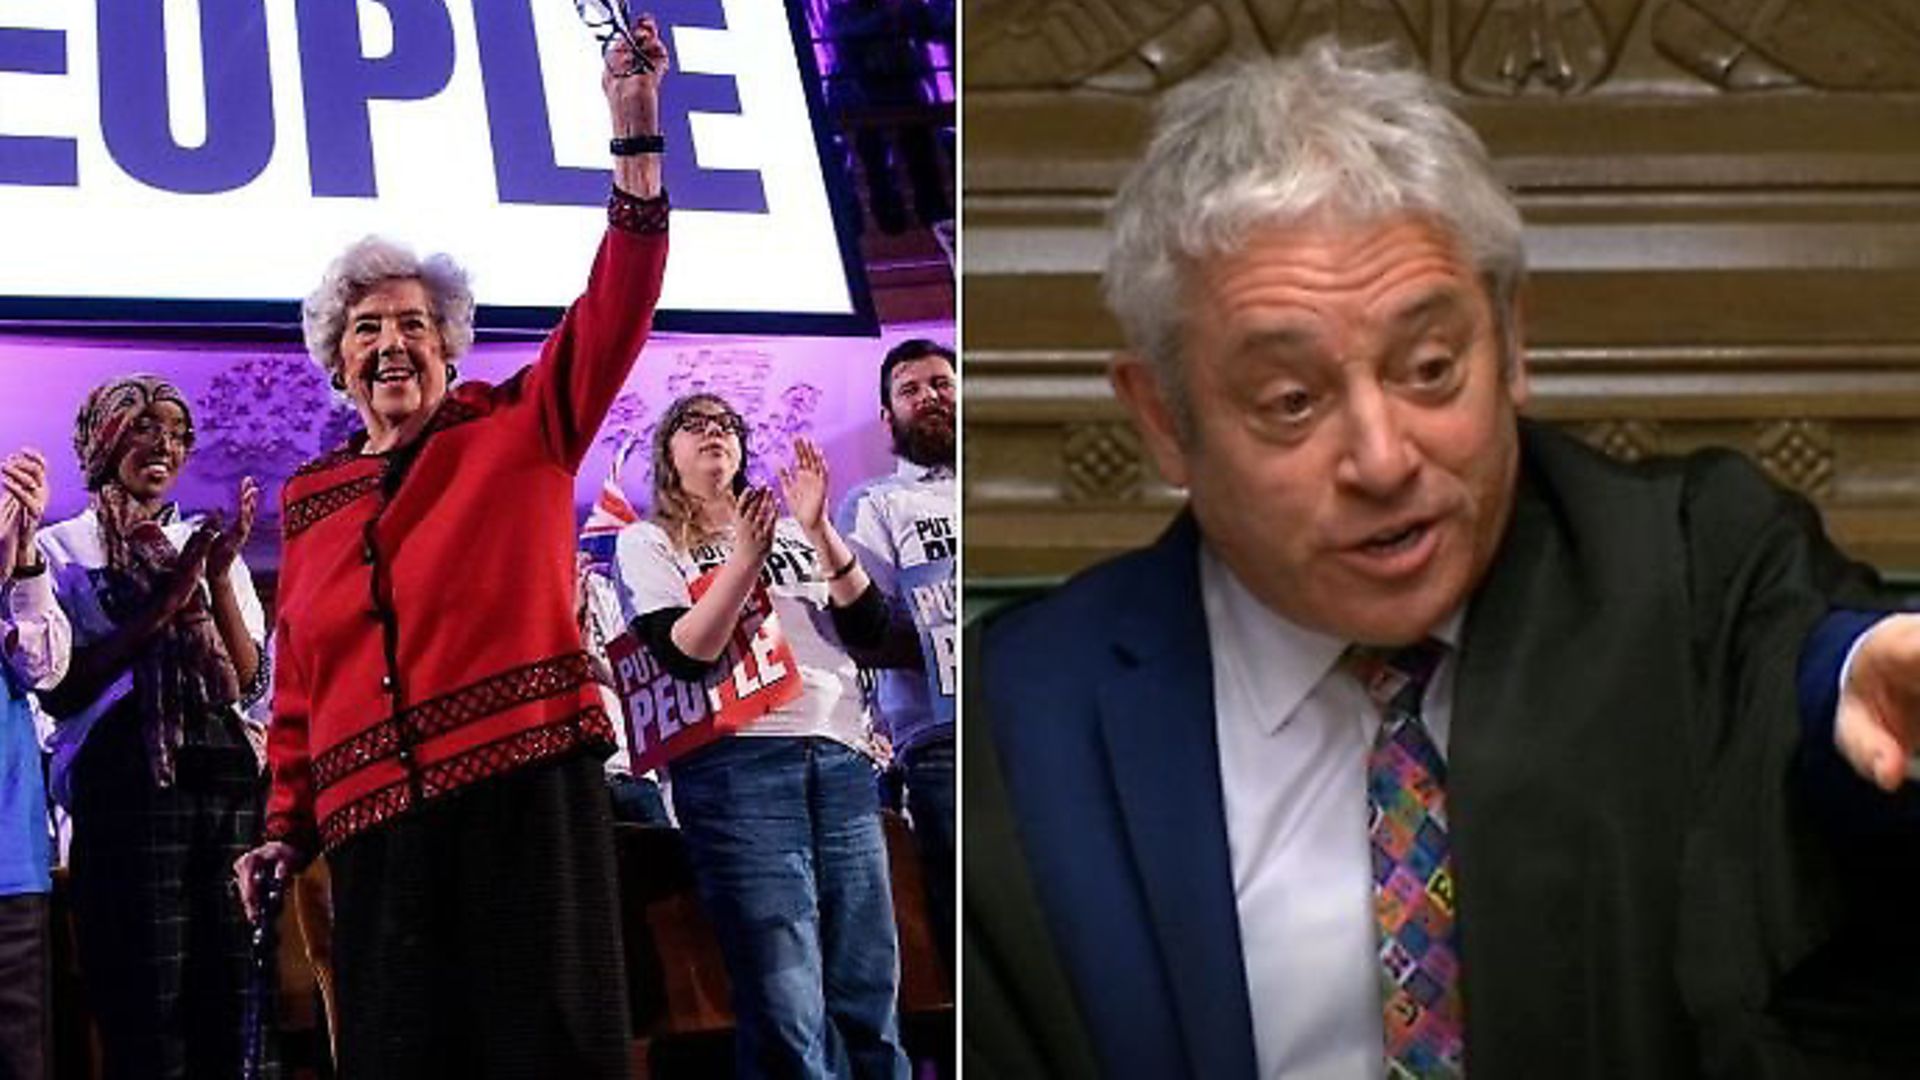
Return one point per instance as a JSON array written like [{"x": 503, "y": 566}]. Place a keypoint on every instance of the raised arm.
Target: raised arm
[
  {"x": 861, "y": 521},
  {"x": 633, "y": 104},
  {"x": 236, "y": 608},
  {"x": 702, "y": 632},
  {"x": 587, "y": 357},
  {"x": 804, "y": 484}
]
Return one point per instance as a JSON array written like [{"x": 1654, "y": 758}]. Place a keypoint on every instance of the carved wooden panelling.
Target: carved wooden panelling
[
  {"x": 1495, "y": 47},
  {"x": 1102, "y": 463},
  {"x": 1622, "y": 440},
  {"x": 1799, "y": 454},
  {"x": 1829, "y": 44},
  {"x": 1723, "y": 228}
]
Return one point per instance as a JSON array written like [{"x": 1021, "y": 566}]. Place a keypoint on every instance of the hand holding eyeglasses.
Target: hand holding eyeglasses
[
  {"x": 631, "y": 47},
  {"x": 635, "y": 62}
]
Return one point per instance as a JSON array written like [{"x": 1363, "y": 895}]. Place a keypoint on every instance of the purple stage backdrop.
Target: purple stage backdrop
[
  {"x": 262, "y": 409},
  {"x": 195, "y": 162}
]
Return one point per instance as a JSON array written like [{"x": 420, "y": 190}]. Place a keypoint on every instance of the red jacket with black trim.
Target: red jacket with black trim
[{"x": 425, "y": 636}]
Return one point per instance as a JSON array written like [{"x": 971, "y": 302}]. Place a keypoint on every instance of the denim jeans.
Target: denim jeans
[
  {"x": 26, "y": 997},
  {"x": 785, "y": 839},
  {"x": 929, "y": 769},
  {"x": 636, "y": 800}
]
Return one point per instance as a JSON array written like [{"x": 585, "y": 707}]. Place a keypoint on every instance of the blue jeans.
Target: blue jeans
[
  {"x": 929, "y": 769},
  {"x": 636, "y": 800},
  {"x": 785, "y": 839}
]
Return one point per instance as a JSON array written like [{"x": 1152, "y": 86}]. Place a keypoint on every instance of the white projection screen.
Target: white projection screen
[{"x": 200, "y": 161}]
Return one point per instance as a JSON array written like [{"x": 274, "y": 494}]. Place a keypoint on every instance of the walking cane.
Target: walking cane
[{"x": 264, "y": 943}]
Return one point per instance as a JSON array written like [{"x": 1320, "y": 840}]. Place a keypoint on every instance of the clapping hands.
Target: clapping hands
[
  {"x": 230, "y": 539},
  {"x": 753, "y": 524},
  {"x": 804, "y": 485},
  {"x": 211, "y": 551},
  {"x": 23, "y": 503}
]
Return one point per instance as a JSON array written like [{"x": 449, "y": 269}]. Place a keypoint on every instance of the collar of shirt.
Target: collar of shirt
[
  {"x": 84, "y": 530},
  {"x": 1291, "y": 659},
  {"x": 910, "y": 470}
]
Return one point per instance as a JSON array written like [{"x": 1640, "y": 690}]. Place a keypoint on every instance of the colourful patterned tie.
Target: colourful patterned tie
[{"x": 1412, "y": 870}]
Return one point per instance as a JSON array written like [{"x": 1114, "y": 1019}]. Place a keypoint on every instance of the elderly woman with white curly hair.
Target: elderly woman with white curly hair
[{"x": 436, "y": 729}]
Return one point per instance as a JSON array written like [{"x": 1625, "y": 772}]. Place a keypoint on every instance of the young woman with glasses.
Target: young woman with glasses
[{"x": 780, "y": 814}]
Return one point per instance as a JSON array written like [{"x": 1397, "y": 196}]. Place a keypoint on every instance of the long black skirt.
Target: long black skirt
[{"x": 479, "y": 935}]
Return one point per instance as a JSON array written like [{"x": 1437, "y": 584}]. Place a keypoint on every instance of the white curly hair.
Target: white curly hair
[{"x": 368, "y": 262}]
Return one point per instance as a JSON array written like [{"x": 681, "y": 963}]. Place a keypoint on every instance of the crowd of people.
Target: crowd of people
[{"x": 430, "y": 702}]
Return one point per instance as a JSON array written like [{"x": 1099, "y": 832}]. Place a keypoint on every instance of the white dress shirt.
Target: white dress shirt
[{"x": 1294, "y": 735}]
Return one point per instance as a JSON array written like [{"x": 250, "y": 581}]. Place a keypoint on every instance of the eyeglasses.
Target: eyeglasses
[
  {"x": 609, "y": 22},
  {"x": 704, "y": 423},
  {"x": 149, "y": 430}
]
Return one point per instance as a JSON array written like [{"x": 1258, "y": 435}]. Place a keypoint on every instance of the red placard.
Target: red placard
[{"x": 669, "y": 717}]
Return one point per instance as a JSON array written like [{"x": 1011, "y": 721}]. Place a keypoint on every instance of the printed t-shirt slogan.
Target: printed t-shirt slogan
[{"x": 669, "y": 717}]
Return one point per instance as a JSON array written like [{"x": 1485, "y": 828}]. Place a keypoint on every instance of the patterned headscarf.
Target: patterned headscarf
[
  {"x": 106, "y": 419},
  {"x": 182, "y": 675}
]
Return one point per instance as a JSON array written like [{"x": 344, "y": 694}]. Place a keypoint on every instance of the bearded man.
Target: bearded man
[{"x": 902, "y": 527}]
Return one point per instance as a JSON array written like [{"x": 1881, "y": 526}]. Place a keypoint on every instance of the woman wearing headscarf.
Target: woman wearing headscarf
[
  {"x": 153, "y": 754},
  {"x": 436, "y": 729},
  {"x": 781, "y": 816}
]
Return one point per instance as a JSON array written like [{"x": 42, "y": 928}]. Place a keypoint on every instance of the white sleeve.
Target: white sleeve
[
  {"x": 251, "y": 613},
  {"x": 38, "y": 639},
  {"x": 862, "y": 521},
  {"x": 603, "y": 604},
  {"x": 72, "y": 585},
  {"x": 256, "y": 704},
  {"x": 647, "y": 573}
]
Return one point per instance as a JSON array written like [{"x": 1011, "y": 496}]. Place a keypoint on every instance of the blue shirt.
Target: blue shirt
[{"x": 26, "y": 850}]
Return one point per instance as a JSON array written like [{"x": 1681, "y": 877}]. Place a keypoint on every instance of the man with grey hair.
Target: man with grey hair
[{"x": 1426, "y": 741}]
